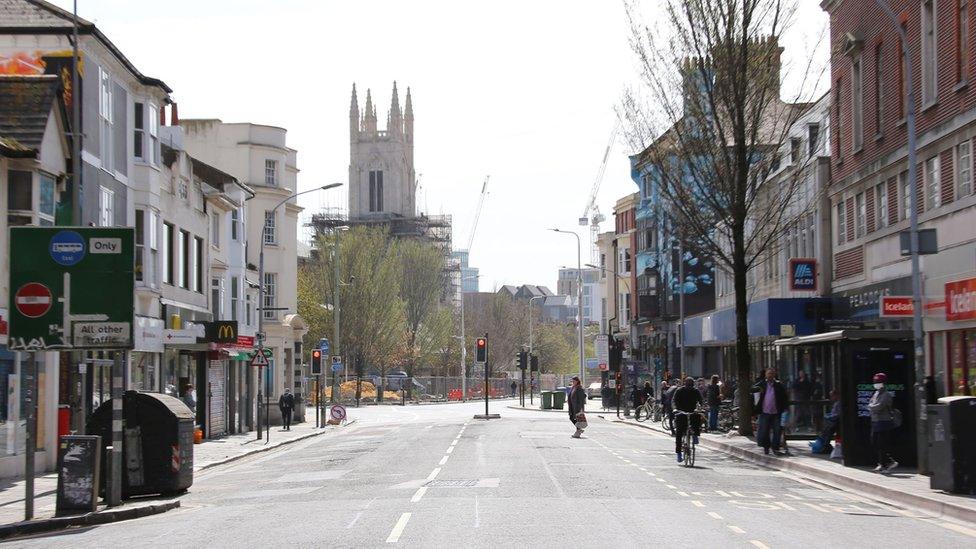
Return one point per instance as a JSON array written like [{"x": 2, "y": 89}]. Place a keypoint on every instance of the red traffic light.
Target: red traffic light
[
  {"x": 317, "y": 354},
  {"x": 481, "y": 342}
]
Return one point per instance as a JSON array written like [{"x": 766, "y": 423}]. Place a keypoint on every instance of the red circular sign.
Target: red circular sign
[{"x": 33, "y": 300}]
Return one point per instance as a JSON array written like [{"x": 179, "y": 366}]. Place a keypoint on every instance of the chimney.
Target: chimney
[
  {"x": 162, "y": 116},
  {"x": 174, "y": 117}
]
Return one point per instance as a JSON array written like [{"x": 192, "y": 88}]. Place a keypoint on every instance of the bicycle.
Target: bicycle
[
  {"x": 646, "y": 410},
  {"x": 667, "y": 422},
  {"x": 727, "y": 416},
  {"x": 688, "y": 445}
]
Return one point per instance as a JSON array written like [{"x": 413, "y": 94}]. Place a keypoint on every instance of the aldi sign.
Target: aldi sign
[
  {"x": 960, "y": 299},
  {"x": 803, "y": 274},
  {"x": 896, "y": 306}
]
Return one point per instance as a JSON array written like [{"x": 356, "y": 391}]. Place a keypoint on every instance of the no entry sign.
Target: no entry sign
[{"x": 33, "y": 300}]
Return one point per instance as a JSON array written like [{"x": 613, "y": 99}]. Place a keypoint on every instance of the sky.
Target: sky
[{"x": 521, "y": 91}]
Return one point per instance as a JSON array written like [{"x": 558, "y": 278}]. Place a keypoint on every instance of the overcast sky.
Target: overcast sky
[{"x": 523, "y": 91}]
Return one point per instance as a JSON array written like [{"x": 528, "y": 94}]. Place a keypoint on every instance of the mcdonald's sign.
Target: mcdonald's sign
[{"x": 221, "y": 331}]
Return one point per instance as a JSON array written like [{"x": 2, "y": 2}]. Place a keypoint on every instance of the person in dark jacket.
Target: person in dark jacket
[
  {"x": 772, "y": 403},
  {"x": 286, "y": 403},
  {"x": 713, "y": 397},
  {"x": 606, "y": 395},
  {"x": 648, "y": 391},
  {"x": 881, "y": 407},
  {"x": 636, "y": 396},
  {"x": 686, "y": 399},
  {"x": 577, "y": 402}
]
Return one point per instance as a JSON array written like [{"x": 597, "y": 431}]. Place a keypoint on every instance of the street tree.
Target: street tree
[
  {"x": 422, "y": 284},
  {"x": 708, "y": 121}
]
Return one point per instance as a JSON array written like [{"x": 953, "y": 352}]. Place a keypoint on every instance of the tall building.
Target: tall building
[
  {"x": 592, "y": 299},
  {"x": 469, "y": 275}
]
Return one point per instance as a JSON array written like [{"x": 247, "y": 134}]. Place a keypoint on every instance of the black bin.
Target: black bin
[
  {"x": 952, "y": 450},
  {"x": 157, "y": 449}
]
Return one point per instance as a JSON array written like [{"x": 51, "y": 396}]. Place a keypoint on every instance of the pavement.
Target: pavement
[
  {"x": 210, "y": 453},
  {"x": 432, "y": 476}
]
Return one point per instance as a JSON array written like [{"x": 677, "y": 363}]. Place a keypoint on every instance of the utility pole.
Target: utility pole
[
  {"x": 335, "y": 316},
  {"x": 531, "y": 376},
  {"x": 681, "y": 306}
]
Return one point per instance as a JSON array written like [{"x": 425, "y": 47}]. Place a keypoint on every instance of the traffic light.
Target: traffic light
[
  {"x": 616, "y": 352},
  {"x": 534, "y": 363},
  {"x": 316, "y": 362},
  {"x": 523, "y": 359},
  {"x": 481, "y": 350}
]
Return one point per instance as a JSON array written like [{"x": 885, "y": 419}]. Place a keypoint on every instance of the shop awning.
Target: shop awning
[{"x": 846, "y": 335}]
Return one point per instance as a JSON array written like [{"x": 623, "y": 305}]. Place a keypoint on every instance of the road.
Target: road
[{"x": 431, "y": 476}]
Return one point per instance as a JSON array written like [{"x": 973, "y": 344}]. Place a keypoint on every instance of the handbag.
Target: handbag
[{"x": 581, "y": 421}]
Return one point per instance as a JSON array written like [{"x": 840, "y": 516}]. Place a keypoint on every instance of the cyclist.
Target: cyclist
[{"x": 686, "y": 399}]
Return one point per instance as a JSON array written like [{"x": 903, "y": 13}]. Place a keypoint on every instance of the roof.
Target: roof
[
  {"x": 558, "y": 301},
  {"x": 212, "y": 175},
  {"x": 509, "y": 289},
  {"x": 40, "y": 17},
  {"x": 25, "y": 106}
]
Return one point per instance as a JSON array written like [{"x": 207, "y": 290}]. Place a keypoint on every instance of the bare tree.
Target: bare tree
[{"x": 709, "y": 123}]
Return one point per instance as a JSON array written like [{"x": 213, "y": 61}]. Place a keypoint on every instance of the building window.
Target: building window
[
  {"x": 623, "y": 263},
  {"x": 964, "y": 169},
  {"x": 106, "y": 207},
  {"x": 235, "y": 297},
  {"x": 906, "y": 195},
  {"x": 933, "y": 183},
  {"x": 929, "y": 53},
  {"x": 794, "y": 150},
  {"x": 857, "y": 105},
  {"x": 169, "y": 252},
  {"x": 198, "y": 264},
  {"x": 217, "y": 297},
  {"x": 860, "y": 226},
  {"x": 248, "y": 310},
  {"x": 215, "y": 229},
  {"x": 603, "y": 265},
  {"x": 270, "y": 229},
  {"x": 270, "y": 290},
  {"x": 376, "y": 190},
  {"x": 184, "y": 270},
  {"x": 183, "y": 190},
  {"x": 139, "y": 130},
  {"x": 140, "y": 245},
  {"x": 153, "y": 135},
  {"x": 841, "y": 223},
  {"x": 881, "y": 203},
  {"x": 153, "y": 249},
  {"x": 235, "y": 222},
  {"x": 20, "y": 190},
  {"x": 878, "y": 90},
  {"x": 838, "y": 125},
  {"x": 813, "y": 139},
  {"x": 271, "y": 173},
  {"x": 962, "y": 41},
  {"x": 105, "y": 117}
]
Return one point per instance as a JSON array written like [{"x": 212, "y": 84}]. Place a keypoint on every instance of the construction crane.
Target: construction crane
[
  {"x": 477, "y": 213},
  {"x": 591, "y": 214}
]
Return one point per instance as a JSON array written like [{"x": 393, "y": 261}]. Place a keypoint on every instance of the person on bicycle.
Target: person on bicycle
[{"x": 686, "y": 399}]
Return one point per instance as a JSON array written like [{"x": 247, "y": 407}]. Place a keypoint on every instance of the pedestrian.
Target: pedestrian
[
  {"x": 883, "y": 422},
  {"x": 802, "y": 389},
  {"x": 577, "y": 402},
  {"x": 702, "y": 388},
  {"x": 713, "y": 397},
  {"x": 635, "y": 396},
  {"x": 648, "y": 391},
  {"x": 605, "y": 396},
  {"x": 772, "y": 403},
  {"x": 514, "y": 387},
  {"x": 286, "y": 403},
  {"x": 190, "y": 398}
]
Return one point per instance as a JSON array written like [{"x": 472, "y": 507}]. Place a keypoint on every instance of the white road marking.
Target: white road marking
[
  {"x": 449, "y": 450},
  {"x": 443, "y": 460},
  {"x": 758, "y": 544},
  {"x": 672, "y": 486},
  {"x": 723, "y": 494},
  {"x": 661, "y": 480},
  {"x": 683, "y": 494},
  {"x": 816, "y": 507},
  {"x": 697, "y": 503},
  {"x": 418, "y": 494},
  {"x": 650, "y": 473},
  {"x": 736, "y": 529},
  {"x": 957, "y": 528},
  {"x": 784, "y": 506},
  {"x": 433, "y": 474},
  {"x": 354, "y": 520},
  {"x": 715, "y": 515},
  {"x": 454, "y": 443},
  {"x": 398, "y": 528}
]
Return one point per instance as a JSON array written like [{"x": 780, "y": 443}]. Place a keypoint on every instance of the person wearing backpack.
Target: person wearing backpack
[{"x": 884, "y": 419}]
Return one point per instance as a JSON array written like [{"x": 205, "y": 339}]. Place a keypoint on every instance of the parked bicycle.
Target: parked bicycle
[{"x": 651, "y": 408}]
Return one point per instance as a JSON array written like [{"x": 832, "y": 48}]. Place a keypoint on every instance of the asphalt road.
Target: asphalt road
[{"x": 431, "y": 476}]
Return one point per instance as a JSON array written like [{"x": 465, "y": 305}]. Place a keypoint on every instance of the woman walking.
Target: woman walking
[
  {"x": 882, "y": 423},
  {"x": 577, "y": 401}
]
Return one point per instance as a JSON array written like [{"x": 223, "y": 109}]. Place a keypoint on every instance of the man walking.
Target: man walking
[
  {"x": 577, "y": 401},
  {"x": 772, "y": 403},
  {"x": 286, "y": 404},
  {"x": 883, "y": 422},
  {"x": 713, "y": 397},
  {"x": 514, "y": 387}
]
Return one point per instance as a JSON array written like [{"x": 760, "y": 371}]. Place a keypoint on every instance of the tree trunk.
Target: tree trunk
[{"x": 742, "y": 359}]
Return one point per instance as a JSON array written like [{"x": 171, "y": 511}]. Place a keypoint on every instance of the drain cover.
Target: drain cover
[{"x": 451, "y": 483}]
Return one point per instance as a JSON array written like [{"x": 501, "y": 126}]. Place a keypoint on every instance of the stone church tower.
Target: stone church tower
[{"x": 382, "y": 182}]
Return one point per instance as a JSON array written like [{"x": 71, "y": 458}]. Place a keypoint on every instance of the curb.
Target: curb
[
  {"x": 90, "y": 519},
  {"x": 261, "y": 449},
  {"x": 843, "y": 482},
  {"x": 535, "y": 409}
]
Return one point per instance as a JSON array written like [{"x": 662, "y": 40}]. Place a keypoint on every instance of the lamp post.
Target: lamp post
[
  {"x": 261, "y": 304},
  {"x": 579, "y": 301},
  {"x": 919, "y": 341},
  {"x": 531, "y": 377},
  {"x": 464, "y": 345}
]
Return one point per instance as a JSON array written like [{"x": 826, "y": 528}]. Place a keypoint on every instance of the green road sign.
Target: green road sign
[{"x": 71, "y": 288}]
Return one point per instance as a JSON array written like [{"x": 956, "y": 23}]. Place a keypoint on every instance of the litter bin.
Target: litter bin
[
  {"x": 558, "y": 400},
  {"x": 952, "y": 448},
  {"x": 157, "y": 443},
  {"x": 546, "y": 400}
]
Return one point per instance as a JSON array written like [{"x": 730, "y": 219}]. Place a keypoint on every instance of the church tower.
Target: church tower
[{"x": 382, "y": 182}]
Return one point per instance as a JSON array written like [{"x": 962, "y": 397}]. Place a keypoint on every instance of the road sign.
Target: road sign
[
  {"x": 259, "y": 360},
  {"x": 71, "y": 288},
  {"x": 324, "y": 346},
  {"x": 602, "y": 345},
  {"x": 338, "y": 412},
  {"x": 33, "y": 300},
  {"x": 336, "y": 363}
]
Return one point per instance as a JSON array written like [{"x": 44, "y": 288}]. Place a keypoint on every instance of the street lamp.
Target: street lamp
[
  {"x": 531, "y": 376},
  {"x": 464, "y": 348},
  {"x": 579, "y": 300},
  {"x": 261, "y": 303}
]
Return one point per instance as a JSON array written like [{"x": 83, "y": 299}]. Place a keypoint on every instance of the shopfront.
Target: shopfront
[{"x": 952, "y": 339}]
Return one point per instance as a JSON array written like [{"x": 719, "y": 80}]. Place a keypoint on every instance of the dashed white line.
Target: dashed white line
[
  {"x": 450, "y": 449},
  {"x": 433, "y": 474},
  {"x": 443, "y": 460},
  {"x": 354, "y": 520},
  {"x": 454, "y": 443},
  {"x": 401, "y": 523},
  {"x": 661, "y": 479},
  {"x": 650, "y": 473},
  {"x": 683, "y": 494},
  {"x": 697, "y": 503},
  {"x": 672, "y": 486},
  {"x": 758, "y": 544},
  {"x": 715, "y": 515},
  {"x": 736, "y": 529},
  {"x": 418, "y": 494}
]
